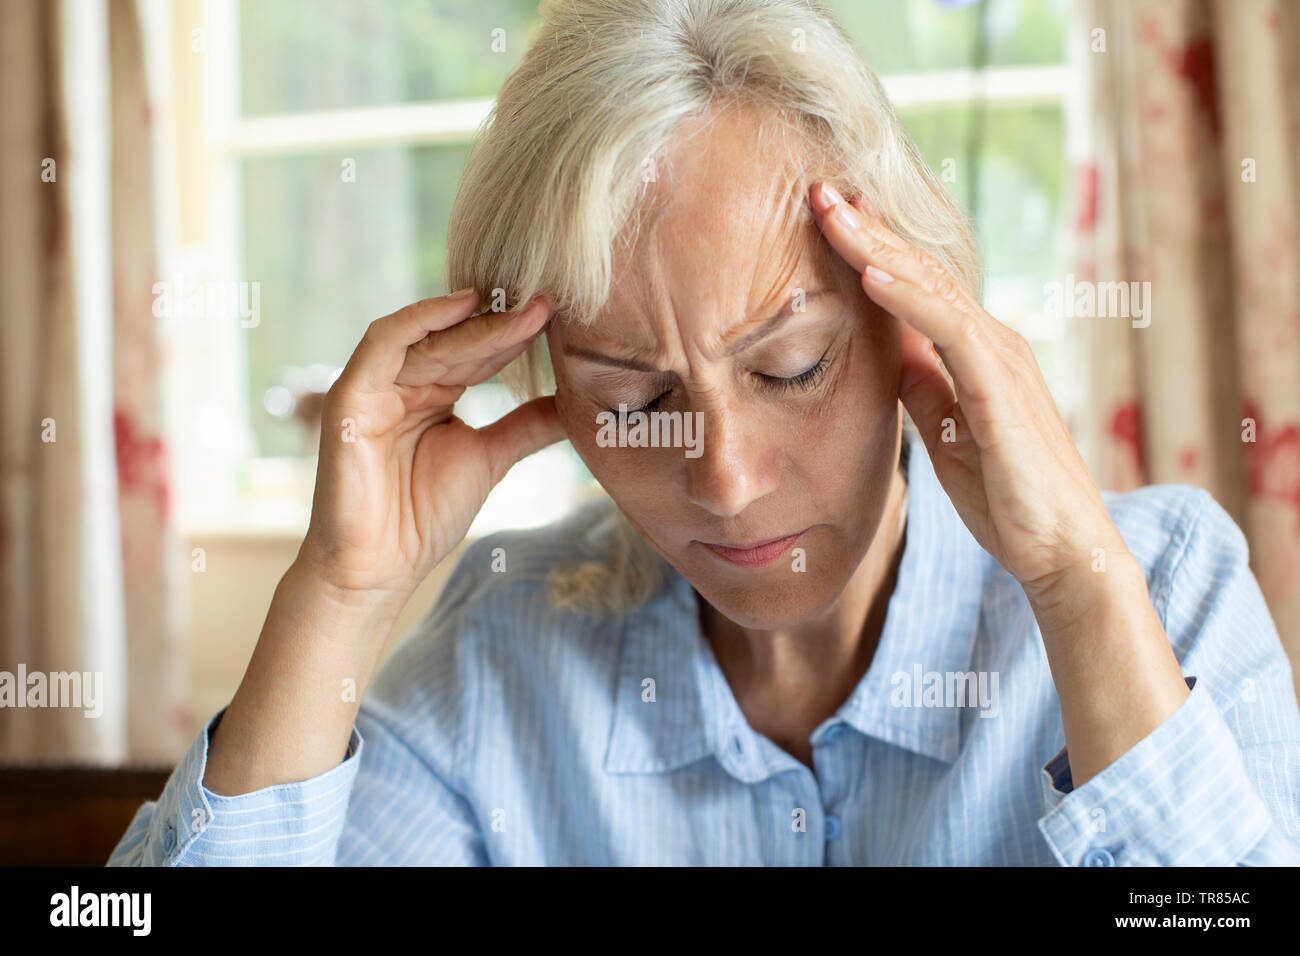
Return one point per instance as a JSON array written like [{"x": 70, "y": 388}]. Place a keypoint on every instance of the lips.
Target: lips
[{"x": 757, "y": 555}]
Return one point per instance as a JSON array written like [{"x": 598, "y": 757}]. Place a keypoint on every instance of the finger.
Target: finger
[
  {"x": 529, "y": 428},
  {"x": 460, "y": 354},
  {"x": 855, "y": 238},
  {"x": 379, "y": 356},
  {"x": 919, "y": 291},
  {"x": 424, "y": 369}
]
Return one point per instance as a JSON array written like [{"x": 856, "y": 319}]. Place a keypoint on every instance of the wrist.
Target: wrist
[
  {"x": 1105, "y": 581},
  {"x": 369, "y": 608}
]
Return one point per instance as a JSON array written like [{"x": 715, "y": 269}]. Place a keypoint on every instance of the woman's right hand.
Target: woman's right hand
[{"x": 400, "y": 478}]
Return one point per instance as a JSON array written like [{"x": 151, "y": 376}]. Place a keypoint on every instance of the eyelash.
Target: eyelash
[{"x": 804, "y": 381}]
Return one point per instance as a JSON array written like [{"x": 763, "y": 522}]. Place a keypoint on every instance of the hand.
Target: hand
[
  {"x": 1022, "y": 488},
  {"x": 400, "y": 478},
  {"x": 993, "y": 433}
]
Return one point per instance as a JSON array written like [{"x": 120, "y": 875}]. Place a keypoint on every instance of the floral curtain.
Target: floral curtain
[
  {"x": 91, "y": 569},
  {"x": 1187, "y": 176}
]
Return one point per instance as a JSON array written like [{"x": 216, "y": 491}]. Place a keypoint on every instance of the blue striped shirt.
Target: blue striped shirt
[{"x": 506, "y": 731}]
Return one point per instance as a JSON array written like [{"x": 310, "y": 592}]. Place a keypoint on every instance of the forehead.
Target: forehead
[{"x": 727, "y": 233}]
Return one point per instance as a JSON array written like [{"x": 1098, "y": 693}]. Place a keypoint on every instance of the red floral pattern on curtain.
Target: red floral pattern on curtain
[
  {"x": 91, "y": 568},
  {"x": 1189, "y": 178}
]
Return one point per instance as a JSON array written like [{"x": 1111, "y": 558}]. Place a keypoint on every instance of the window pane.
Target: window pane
[
  {"x": 333, "y": 54},
  {"x": 331, "y": 252},
  {"x": 1019, "y": 161},
  {"x": 911, "y": 36},
  {"x": 332, "y": 255},
  {"x": 1016, "y": 200},
  {"x": 339, "y": 54}
]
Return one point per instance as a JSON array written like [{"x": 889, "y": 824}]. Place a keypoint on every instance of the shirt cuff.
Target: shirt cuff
[
  {"x": 288, "y": 824},
  {"x": 1180, "y": 796}
]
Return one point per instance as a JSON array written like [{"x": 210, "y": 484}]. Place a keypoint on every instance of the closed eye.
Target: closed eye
[
  {"x": 647, "y": 407},
  {"x": 804, "y": 380}
]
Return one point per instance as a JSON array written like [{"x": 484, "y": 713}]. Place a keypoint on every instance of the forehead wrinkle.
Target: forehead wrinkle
[
  {"x": 773, "y": 205},
  {"x": 794, "y": 247},
  {"x": 798, "y": 254},
  {"x": 640, "y": 265}
]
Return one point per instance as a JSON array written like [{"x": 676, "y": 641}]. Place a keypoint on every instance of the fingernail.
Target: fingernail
[
  {"x": 464, "y": 293},
  {"x": 879, "y": 274},
  {"x": 833, "y": 197}
]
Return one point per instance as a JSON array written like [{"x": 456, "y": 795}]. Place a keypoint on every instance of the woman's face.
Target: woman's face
[{"x": 797, "y": 398}]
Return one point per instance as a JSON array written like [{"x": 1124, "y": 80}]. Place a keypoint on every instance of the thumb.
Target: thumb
[{"x": 529, "y": 428}]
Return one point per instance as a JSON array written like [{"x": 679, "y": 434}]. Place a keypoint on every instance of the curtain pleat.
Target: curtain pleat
[
  {"x": 91, "y": 573},
  {"x": 1190, "y": 181}
]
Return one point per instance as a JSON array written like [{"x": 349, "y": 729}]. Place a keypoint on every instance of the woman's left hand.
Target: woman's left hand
[{"x": 997, "y": 442}]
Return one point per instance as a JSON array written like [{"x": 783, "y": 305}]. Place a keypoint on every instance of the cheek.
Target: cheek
[
  {"x": 577, "y": 417},
  {"x": 847, "y": 442},
  {"x": 624, "y": 473},
  {"x": 862, "y": 386},
  {"x": 880, "y": 348}
]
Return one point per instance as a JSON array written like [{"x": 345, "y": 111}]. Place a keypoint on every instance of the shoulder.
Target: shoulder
[
  {"x": 498, "y": 589},
  {"x": 1197, "y": 564},
  {"x": 1175, "y": 528},
  {"x": 511, "y": 567}
]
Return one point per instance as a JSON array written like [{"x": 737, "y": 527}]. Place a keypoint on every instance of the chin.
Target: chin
[{"x": 783, "y": 599}]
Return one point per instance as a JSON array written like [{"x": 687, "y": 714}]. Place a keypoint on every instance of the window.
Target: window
[
  {"x": 981, "y": 88},
  {"x": 334, "y": 135}
]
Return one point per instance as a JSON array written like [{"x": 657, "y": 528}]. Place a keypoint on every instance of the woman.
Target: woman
[{"x": 811, "y": 636}]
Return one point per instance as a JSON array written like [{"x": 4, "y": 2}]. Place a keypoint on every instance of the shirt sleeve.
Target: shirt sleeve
[
  {"x": 1218, "y": 783},
  {"x": 289, "y": 824},
  {"x": 382, "y": 805}
]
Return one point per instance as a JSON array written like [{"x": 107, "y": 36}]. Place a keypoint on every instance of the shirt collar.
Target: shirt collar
[{"x": 673, "y": 705}]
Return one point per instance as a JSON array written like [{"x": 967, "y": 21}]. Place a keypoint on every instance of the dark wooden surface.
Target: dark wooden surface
[{"x": 70, "y": 816}]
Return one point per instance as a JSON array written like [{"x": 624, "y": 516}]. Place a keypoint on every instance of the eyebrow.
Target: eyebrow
[{"x": 765, "y": 328}]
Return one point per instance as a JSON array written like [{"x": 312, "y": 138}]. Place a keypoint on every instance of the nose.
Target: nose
[{"x": 734, "y": 467}]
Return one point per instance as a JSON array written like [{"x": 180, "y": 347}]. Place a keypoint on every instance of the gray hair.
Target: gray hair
[{"x": 558, "y": 175}]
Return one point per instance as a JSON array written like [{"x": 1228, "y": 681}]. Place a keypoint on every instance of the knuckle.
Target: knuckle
[
  {"x": 497, "y": 332},
  {"x": 1020, "y": 345},
  {"x": 943, "y": 286},
  {"x": 966, "y": 328},
  {"x": 879, "y": 250}
]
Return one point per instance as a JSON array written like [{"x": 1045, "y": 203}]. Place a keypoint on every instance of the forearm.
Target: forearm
[
  {"x": 293, "y": 713},
  {"x": 1115, "y": 673}
]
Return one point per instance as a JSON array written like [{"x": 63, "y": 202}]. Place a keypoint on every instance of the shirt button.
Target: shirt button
[
  {"x": 169, "y": 839},
  {"x": 1098, "y": 856},
  {"x": 832, "y": 828}
]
